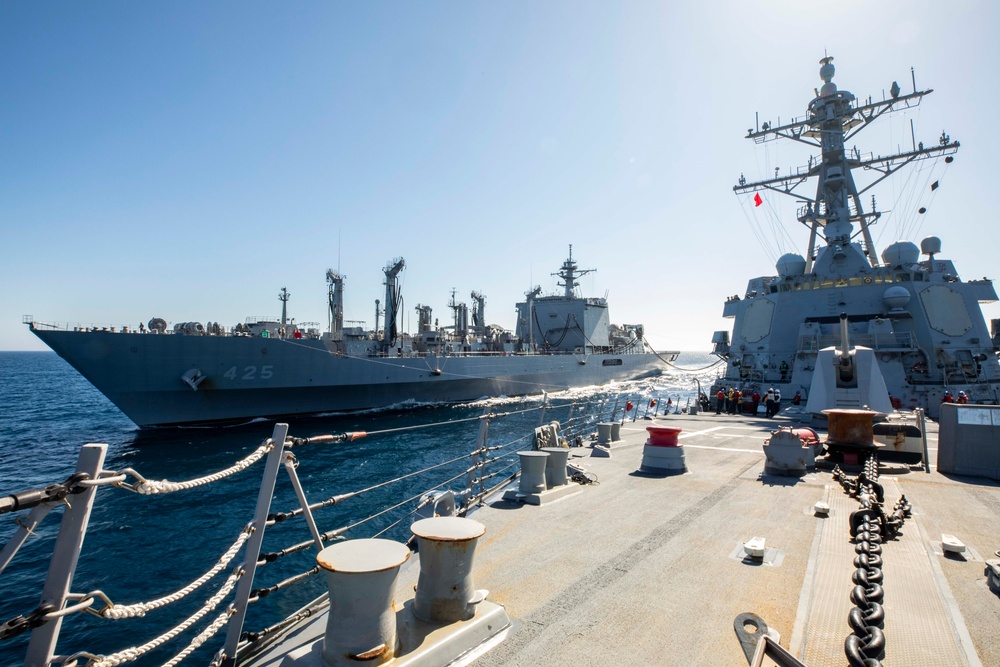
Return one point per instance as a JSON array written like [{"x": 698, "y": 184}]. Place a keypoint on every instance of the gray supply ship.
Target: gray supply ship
[
  {"x": 921, "y": 321},
  {"x": 270, "y": 367}
]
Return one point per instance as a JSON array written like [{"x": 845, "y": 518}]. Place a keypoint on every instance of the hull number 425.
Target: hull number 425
[{"x": 249, "y": 373}]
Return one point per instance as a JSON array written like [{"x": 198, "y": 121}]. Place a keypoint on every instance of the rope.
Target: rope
[
  {"x": 151, "y": 487},
  {"x": 584, "y": 477},
  {"x": 133, "y": 653},
  {"x": 689, "y": 370},
  {"x": 204, "y": 636},
  {"x": 444, "y": 423},
  {"x": 117, "y": 612}
]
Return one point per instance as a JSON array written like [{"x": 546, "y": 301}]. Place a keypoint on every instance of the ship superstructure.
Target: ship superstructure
[
  {"x": 923, "y": 321},
  {"x": 270, "y": 367}
]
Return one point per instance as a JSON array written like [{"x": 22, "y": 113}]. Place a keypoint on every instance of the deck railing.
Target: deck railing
[{"x": 456, "y": 485}]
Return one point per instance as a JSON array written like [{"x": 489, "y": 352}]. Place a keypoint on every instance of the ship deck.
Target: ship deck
[{"x": 649, "y": 570}]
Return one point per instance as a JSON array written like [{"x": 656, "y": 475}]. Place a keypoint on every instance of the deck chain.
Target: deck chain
[{"x": 865, "y": 647}]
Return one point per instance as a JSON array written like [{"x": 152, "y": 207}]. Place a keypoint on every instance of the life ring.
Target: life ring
[{"x": 867, "y": 280}]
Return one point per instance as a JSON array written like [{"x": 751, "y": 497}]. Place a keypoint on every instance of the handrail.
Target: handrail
[{"x": 488, "y": 462}]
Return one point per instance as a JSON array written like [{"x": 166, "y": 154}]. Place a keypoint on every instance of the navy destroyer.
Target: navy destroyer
[
  {"x": 200, "y": 373},
  {"x": 921, "y": 322}
]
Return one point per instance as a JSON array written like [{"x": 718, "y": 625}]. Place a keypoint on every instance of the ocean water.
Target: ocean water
[{"x": 139, "y": 548}]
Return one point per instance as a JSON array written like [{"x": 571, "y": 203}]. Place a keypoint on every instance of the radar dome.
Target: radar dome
[
  {"x": 901, "y": 252},
  {"x": 930, "y": 245},
  {"x": 791, "y": 264},
  {"x": 895, "y": 298}
]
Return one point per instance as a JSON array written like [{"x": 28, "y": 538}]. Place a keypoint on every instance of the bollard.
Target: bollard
[
  {"x": 663, "y": 436},
  {"x": 616, "y": 431},
  {"x": 445, "y": 591},
  {"x": 361, "y": 624},
  {"x": 662, "y": 454},
  {"x": 604, "y": 433},
  {"x": 532, "y": 472},
  {"x": 555, "y": 466}
]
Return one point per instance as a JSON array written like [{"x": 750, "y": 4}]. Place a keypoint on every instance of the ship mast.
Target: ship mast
[
  {"x": 283, "y": 297},
  {"x": 569, "y": 272},
  {"x": 833, "y": 119}
]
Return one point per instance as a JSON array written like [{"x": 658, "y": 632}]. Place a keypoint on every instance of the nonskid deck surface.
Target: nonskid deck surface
[{"x": 648, "y": 570}]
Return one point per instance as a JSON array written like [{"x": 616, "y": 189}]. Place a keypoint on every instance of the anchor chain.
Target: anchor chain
[{"x": 865, "y": 647}]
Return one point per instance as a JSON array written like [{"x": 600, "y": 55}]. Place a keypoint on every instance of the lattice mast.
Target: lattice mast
[
  {"x": 569, "y": 273},
  {"x": 833, "y": 120}
]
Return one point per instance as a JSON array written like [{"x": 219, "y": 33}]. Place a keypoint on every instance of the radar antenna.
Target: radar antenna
[
  {"x": 835, "y": 117},
  {"x": 569, "y": 272}
]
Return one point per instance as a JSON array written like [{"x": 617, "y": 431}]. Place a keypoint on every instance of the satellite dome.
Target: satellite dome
[
  {"x": 930, "y": 245},
  {"x": 895, "y": 298},
  {"x": 790, "y": 264},
  {"x": 901, "y": 252}
]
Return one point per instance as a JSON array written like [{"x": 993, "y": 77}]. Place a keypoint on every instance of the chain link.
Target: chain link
[{"x": 865, "y": 647}]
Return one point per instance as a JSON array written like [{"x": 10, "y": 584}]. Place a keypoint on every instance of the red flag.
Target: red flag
[
  {"x": 628, "y": 406},
  {"x": 757, "y": 201}
]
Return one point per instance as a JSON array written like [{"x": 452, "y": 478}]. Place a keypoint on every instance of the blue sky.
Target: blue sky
[{"x": 186, "y": 160}]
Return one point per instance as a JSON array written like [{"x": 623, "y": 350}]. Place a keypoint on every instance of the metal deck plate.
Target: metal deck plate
[{"x": 920, "y": 628}]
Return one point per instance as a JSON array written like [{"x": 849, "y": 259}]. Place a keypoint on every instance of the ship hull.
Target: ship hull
[{"x": 174, "y": 380}]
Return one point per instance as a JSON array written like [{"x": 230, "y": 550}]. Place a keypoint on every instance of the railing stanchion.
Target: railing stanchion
[
  {"x": 65, "y": 555},
  {"x": 252, "y": 550}
]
